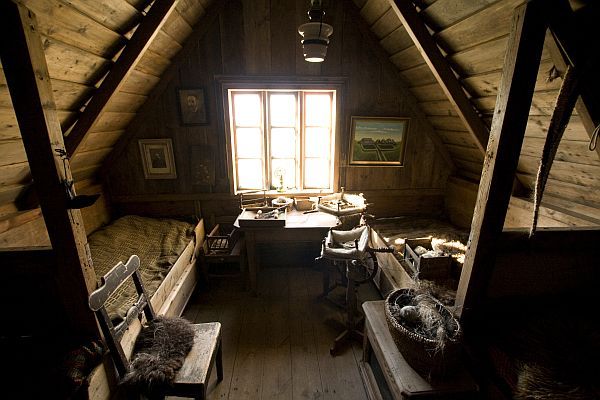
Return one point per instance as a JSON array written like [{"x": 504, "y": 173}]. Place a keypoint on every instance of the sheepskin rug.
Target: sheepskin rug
[{"x": 160, "y": 349}]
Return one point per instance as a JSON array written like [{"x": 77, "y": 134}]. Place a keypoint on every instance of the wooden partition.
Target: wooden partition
[{"x": 553, "y": 262}]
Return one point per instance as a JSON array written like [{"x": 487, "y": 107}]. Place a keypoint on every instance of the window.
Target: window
[{"x": 282, "y": 139}]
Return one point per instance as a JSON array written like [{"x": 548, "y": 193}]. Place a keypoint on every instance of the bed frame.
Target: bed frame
[
  {"x": 391, "y": 274},
  {"x": 170, "y": 298}
]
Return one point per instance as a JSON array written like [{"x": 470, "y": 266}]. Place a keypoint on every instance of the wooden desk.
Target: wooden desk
[
  {"x": 299, "y": 227},
  {"x": 402, "y": 382}
]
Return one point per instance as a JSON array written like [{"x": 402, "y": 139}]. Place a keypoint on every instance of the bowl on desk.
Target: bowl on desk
[{"x": 283, "y": 201}]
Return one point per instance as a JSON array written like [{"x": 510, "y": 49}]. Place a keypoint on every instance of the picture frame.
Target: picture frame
[
  {"x": 157, "y": 158},
  {"x": 192, "y": 106},
  {"x": 378, "y": 140}
]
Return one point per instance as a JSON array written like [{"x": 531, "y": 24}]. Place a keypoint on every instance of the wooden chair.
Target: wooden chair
[{"x": 192, "y": 379}]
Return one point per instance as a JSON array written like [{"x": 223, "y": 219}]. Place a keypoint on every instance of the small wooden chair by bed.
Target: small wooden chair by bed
[{"x": 192, "y": 379}]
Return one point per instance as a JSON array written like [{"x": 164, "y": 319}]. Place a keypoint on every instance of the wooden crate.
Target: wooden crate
[
  {"x": 221, "y": 239},
  {"x": 430, "y": 268}
]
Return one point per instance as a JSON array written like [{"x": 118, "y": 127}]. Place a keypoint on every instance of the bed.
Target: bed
[
  {"x": 168, "y": 250},
  {"x": 395, "y": 272}
]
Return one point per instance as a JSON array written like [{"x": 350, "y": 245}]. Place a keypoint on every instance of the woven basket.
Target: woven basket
[{"x": 419, "y": 351}]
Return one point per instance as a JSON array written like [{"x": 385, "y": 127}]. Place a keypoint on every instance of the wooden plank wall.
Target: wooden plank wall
[
  {"x": 473, "y": 34},
  {"x": 461, "y": 195},
  {"x": 260, "y": 38},
  {"x": 81, "y": 40},
  {"x": 27, "y": 228}
]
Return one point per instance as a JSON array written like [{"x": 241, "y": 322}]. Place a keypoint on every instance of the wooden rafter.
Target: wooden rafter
[
  {"x": 383, "y": 58},
  {"x": 561, "y": 62},
  {"x": 506, "y": 139},
  {"x": 26, "y": 72},
  {"x": 441, "y": 70},
  {"x": 129, "y": 58},
  {"x": 212, "y": 15}
]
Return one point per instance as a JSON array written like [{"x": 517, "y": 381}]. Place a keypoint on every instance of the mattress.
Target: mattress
[{"x": 157, "y": 242}]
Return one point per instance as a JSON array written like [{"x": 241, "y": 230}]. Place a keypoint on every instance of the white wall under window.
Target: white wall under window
[{"x": 282, "y": 138}]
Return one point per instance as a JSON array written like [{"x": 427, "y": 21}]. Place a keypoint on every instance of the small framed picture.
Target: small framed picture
[
  {"x": 192, "y": 106},
  {"x": 378, "y": 140},
  {"x": 157, "y": 157}
]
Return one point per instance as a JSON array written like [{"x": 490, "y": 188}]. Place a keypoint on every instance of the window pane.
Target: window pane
[
  {"x": 316, "y": 173},
  {"x": 250, "y": 174},
  {"x": 248, "y": 142},
  {"x": 287, "y": 167},
  {"x": 317, "y": 142},
  {"x": 247, "y": 109},
  {"x": 283, "y": 142},
  {"x": 318, "y": 110},
  {"x": 283, "y": 110}
]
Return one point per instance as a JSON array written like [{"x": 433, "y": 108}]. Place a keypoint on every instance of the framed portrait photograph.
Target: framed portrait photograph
[
  {"x": 157, "y": 158},
  {"x": 378, "y": 140},
  {"x": 192, "y": 106}
]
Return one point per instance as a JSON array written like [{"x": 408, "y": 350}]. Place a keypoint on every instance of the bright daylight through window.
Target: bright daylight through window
[{"x": 282, "y": 140}]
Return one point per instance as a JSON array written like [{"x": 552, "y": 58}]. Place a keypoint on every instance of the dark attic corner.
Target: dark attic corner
[{"x": 346, "y": 199}]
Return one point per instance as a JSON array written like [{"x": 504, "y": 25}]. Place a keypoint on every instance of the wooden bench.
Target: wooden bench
[{"x": 400, "y": 380}]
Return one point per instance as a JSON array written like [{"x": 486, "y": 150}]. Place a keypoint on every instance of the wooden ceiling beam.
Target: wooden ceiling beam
[
  {"x": 506, "y": 139},
  {"x": 442, "y": 71},
  {"x": 127, "y": 61},
  {"x": 565, "y": 50},
  {"x": 200, "y": 29},
  {"x": 24, "y": 63}
]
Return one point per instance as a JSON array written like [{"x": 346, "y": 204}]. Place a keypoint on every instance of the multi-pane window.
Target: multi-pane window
[{"x": 282, "y": 139}]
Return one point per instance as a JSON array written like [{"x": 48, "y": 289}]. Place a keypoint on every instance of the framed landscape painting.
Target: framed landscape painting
[{"x": 378, "y": 140}]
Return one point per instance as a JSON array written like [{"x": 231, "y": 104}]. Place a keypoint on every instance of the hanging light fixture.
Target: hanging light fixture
[{"x": 315, "y": 34}]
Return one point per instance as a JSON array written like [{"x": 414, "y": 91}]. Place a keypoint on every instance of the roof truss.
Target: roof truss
[
  {"x": 130, "y": 56},
  {"x": 441, "y": 70}
]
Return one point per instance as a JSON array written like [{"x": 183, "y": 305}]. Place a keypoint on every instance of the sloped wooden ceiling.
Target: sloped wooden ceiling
[
  {"x": 82, "y": 40},
  {"x": 472, "y": 35}
]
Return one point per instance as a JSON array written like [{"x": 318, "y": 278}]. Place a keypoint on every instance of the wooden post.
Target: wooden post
[
  {"x": 28, "y": 81},
  {"x": 521, "y": 65}
]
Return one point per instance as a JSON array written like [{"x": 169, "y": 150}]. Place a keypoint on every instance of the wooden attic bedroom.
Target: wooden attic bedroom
[{"x": 121, "y": 118}]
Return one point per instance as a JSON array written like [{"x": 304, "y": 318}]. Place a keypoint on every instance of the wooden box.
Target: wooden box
[
  {"x": 430, "y": 268},
  {"x": 221, "y": 239}
]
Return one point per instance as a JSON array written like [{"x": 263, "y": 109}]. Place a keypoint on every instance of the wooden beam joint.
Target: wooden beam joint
[
  {"x": 442, "y": 71},
  {"x": 125, "y": 64}
]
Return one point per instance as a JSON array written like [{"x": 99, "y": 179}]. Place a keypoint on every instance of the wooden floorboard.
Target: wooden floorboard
[{"x": 276, "y": 345}]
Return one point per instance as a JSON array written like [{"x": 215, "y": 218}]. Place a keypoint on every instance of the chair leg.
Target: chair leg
[{"x": 219, "y": 362}]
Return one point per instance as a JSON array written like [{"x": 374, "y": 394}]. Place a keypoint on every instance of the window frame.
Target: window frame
[{"x": 336, "y": 85}]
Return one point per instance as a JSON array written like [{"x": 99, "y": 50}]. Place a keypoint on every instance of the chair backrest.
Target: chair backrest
[{"x": 109, "y": 284}]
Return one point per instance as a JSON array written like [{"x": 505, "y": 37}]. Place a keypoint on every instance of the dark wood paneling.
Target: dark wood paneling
[{"x": 260, "y": 38}]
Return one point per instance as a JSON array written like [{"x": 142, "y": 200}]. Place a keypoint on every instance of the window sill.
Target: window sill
[{"x": 292, "y": 193}]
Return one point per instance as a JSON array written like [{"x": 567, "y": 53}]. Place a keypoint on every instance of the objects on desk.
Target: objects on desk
[
  {"x": 304, "y": 204},
  {"x": 342, "y": 203},
  {"x": 425, "y": 331},
  {"x": 253, "y": 200},
  {"x": 283, "y": 201},
  {"x": 263, "y": 217}
]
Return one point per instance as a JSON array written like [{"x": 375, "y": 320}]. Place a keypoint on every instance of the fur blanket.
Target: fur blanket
[{"x": 160, "y": 349}]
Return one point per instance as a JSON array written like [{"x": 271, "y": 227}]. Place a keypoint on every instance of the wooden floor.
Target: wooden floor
[{"x": 276, "y": 345}]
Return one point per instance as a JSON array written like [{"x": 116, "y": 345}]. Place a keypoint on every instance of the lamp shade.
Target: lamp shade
[{"x": 315, "y": 40}]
